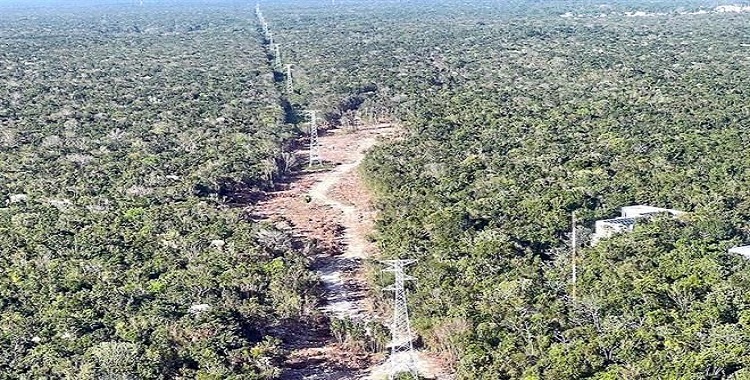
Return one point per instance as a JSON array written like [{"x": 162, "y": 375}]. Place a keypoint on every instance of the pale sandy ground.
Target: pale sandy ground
[{"x": 340, "y": 217}]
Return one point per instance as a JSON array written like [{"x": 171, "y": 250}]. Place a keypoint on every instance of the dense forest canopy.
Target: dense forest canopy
[
  {"x": 129, "y": 142},
  {"x": 128, "y": 135},
  {"x": 521, "y": 113},
  {"x": 546, "y": 116}
]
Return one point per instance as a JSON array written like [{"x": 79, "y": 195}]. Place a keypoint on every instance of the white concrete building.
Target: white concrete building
[
  {"x": 743, "y": 251},
  {"x": 608, "y": 227},
  {"x": 630, "y": 214},
  {"x": 200, "y": 308}
]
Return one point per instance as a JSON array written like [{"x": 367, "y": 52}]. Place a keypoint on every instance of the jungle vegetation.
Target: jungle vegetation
[
  {"x": 128, "y": 137},
  {"x": 520, "y": 114},
  {"x": 131, "y": 139}
]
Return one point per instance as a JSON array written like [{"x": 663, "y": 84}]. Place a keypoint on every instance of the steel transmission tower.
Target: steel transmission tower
[
  {"x": 289, "y": 86},
  {"x": 314, "y": 141},
  {"x": 262, "y": 20},
  {"x": 402, "y": 350},
  {"x": 277, "y": 56}
]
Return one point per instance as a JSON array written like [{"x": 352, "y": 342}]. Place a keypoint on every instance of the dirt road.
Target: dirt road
[{"x": 333, "y": 208}]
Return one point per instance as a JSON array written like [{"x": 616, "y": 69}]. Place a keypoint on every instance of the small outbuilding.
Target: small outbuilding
[
  {"x": 606, "y": 228},
  {"x": 200, "y": 308},
  {"x": 743, "y": 251}
]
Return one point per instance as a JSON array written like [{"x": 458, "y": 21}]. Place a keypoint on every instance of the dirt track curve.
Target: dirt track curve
[{"x": 333, "y": 208}]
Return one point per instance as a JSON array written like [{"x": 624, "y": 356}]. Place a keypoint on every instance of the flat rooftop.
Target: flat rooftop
[
  {"x": 644, "y": 210},
  {"x": 622, "y": 221}
]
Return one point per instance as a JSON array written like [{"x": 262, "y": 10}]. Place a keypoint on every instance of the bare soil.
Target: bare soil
[{"x": 333, "y": 209}]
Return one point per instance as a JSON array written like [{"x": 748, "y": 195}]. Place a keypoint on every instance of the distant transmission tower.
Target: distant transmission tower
[
  {"x": 262, "y": 20},
  {"x": 289, "y": 86},
  {"x": 314, "y": 141},
  {"x": 402, "y": 350},
  {"x": 277, "y": 56}
]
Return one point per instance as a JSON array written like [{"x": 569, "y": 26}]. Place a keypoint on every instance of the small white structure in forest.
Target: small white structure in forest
[
  {"x": 17, "y": 198},
  {"x": 200, "y": 308},
  {"x": 608, "y": 227},
  {"x": 630, "y": 214},
  {"x": 218, "y": 244},
  {"x": 743, "y": 251}
]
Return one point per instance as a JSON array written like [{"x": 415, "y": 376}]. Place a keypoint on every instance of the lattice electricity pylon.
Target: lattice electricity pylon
[
  {"x": 277, "y": 56},
  {"x": 314, "y": 141},
  {"x": 402, "y": 350},
  {"x": 289, "y": 86}
]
